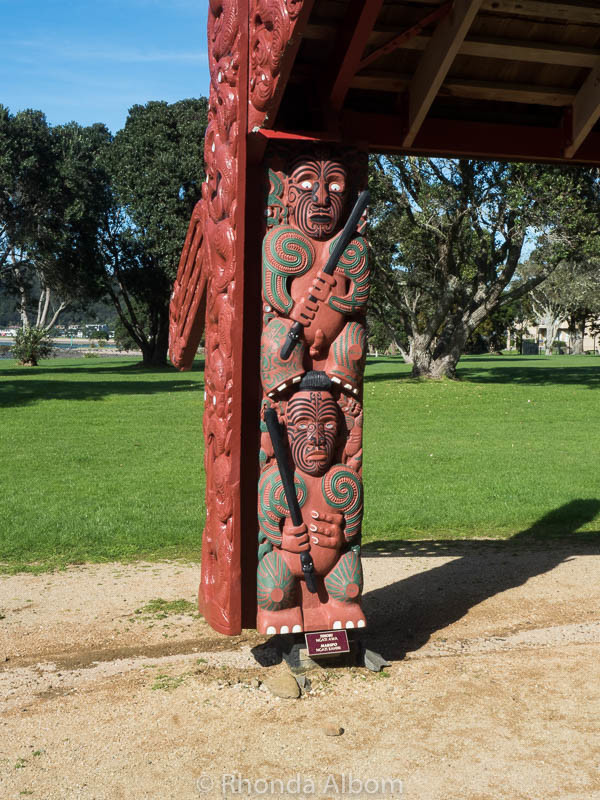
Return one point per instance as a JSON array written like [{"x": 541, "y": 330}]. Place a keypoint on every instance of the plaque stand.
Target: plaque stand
[{"x": 293, "y": 649}]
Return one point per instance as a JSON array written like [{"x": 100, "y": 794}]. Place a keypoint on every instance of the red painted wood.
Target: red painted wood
[
  {"x": 188, "y": 301},
  {"x": 382, "y": 134},
  {"x": 212, "y": 266},
  {"x": 472, "y": 139},
  {"x": 276, "y": 28}
]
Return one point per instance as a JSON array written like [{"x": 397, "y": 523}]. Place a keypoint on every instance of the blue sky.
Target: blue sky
[{"x": 90, "y": 61}]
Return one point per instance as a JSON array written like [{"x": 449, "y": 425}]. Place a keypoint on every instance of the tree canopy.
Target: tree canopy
[
  {"x": 84, "y": 215},
  {"x": 447, "y": 238},
  {"x": 51, "y": 196}
]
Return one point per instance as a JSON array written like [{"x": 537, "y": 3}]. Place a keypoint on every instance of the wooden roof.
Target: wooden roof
[{"x": 486, "y": 78}]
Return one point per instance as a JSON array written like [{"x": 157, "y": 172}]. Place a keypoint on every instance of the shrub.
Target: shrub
[
  {"x": 31, "y": 345},
  {"x": 123, "y": 339}
]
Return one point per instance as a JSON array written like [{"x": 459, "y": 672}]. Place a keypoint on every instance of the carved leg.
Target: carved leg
[
  {"x": 344, "y": 586},
  {"x": 277, "y": 596}
]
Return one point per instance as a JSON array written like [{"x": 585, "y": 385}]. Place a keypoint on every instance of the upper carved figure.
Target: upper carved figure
[{"x": 317, "y": 195}]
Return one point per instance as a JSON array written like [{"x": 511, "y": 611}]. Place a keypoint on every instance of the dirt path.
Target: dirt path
[{"x": 111, "y": 687}]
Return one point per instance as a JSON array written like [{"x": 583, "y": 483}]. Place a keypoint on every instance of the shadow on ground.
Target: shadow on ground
[
  {"x": 534, "y": 376},
  {"x": 403, "y": 615},
  {"x": 476, "y": 369},
  {"x": 25, "y": 385}
]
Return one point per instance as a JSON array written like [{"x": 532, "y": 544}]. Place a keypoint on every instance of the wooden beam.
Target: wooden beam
[
  {"x": 585, "y": 111},
  {"x": 588, "y": 13},
  {"x": 482, "y": 47},
  {"x": 536, "y": 8},
  {"x": 436, "y": 61},
  {"x": 463, "y": 138},
  {"x": 357, "y": 26},
  {"x": 405, "y": 37},
  {"x": 511, "y": 50},
  {"x": 474, "y": 90},
  {"x": 536, "y": 52},
  {"x": 449, "y": 138}
]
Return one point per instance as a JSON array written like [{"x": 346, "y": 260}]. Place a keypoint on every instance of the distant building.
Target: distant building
[{"x": 537, "y": 332}]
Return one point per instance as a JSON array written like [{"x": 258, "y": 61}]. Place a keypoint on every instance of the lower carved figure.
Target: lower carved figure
[{"x": 331, "y": 502}]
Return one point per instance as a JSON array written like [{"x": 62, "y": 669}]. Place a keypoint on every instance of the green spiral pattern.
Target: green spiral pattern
[
  {"x": 287, "y": 253},
  {"x": 272, "y": 502},
  {"x": 354, "y": 263},
  {"x": 342, "y": 489}
]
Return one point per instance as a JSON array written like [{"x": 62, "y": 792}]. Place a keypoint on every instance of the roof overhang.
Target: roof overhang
[{"x": 517, "y": 79}]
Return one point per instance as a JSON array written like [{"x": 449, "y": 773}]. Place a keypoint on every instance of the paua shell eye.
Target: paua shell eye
[
  {"x": 335, "y": 187},
  {"x": 306, "y": 185}
]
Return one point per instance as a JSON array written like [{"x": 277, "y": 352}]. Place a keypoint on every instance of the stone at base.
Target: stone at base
[
  {"x": 295, "y": 654},
  {"x": 282, "y": 683}
]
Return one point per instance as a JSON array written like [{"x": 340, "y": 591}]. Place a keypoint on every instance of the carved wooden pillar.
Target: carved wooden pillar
[
  {"x": 211, "y": 294},
  {"x": 315, "y": 392},
  {"x": 251, "y": 45}
]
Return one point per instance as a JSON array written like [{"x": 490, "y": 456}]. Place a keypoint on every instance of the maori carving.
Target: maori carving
[
  {"x": 272, "y": 27},
  {"x": 219, "y": 195},
  {"x": 316, "y": 393},
  {"x": 208, "y": 278}
]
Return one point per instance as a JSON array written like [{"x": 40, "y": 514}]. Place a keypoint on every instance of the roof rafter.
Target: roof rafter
[
  {"x": 585, "y": 111},
  {"x": 351, "y": 42},
  {"x": 566, "y": 12},
  {"x": 436, "y": 61},
  {"x": 498, "y": 91},
  {"x": 407, "y": 35},
  {"x": 479, "y": 46}
]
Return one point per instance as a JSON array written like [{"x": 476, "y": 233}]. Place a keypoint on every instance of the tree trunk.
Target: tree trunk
[
  {"x": 420, "y": 355},
  {"x": 154, "y": 351},
  {"x": 442, "y": 362}
]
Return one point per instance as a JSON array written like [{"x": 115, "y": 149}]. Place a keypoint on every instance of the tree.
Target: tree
[
  {"x": 490, "y": 335},
  {"x": 570, "y": 293},
  {"x": 31, "y": 345},
  {"x": 51, "y": 197},
  {"x": 447, "y": 238},
  {"x": 156, "y": 168}
]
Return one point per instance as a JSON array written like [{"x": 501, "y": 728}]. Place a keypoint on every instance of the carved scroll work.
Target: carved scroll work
[
  {"x": 316, "y": 392},
  {"x": 274, "y": 38},
  {"x": 211, "y": 277}
]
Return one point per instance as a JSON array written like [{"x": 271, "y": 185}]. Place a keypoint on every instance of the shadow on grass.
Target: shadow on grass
[
  {"x": 551, "y": 373},
  {"x": 94, "y": 382},
  {"x": 531, "y": 375},
  {"x": 404, "y": 615},
  {"x": 136, "y": 367}
]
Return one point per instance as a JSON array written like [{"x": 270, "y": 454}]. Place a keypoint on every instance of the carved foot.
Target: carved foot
[
  {"x": 287, "y": 620},
  {"x": 345, "y": 615},
  {"x": 334, "y": 616}
]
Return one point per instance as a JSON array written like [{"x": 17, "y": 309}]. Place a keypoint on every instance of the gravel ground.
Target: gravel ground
[{"x": 493, "y": 692}]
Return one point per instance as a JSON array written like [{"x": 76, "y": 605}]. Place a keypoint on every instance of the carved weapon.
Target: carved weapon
[
  {"x": 343, "y": 241},
  {"x": 287, "y": 479}
]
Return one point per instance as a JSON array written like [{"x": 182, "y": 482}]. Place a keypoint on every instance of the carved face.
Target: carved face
[
  {"x": 312, "y": 423},
  {"x": 317, "y": 194}
]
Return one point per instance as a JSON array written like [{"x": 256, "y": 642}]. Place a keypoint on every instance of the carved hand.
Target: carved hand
[
  {"x": 326, "y": 529},
  {"x": 294, "y": 537}
]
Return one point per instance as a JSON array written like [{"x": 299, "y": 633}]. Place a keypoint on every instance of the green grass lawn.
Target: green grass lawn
[
  {"x": 512, "y": 446},
  {"x": 102, "y": 459}
]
